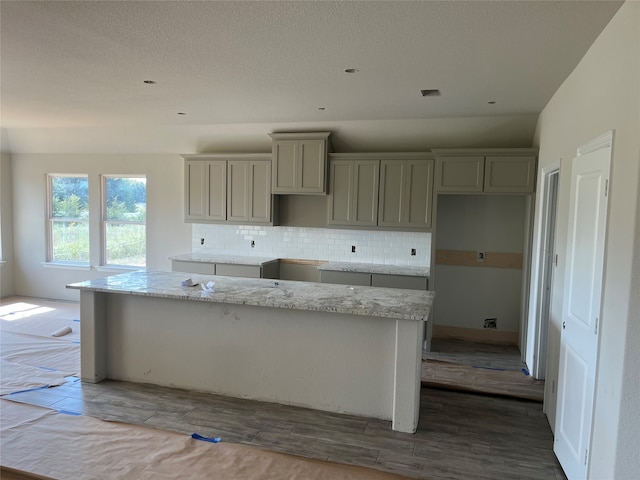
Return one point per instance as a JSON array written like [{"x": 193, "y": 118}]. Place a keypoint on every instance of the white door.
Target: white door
[{"x": 581, "y": 308}]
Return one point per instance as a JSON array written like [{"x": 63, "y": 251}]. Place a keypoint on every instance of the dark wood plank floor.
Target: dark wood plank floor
[{"x": 460, "y": 435}]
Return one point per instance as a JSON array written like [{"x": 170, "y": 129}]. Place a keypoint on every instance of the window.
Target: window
[
  {"x": 124, "y": 215},
  {"x": 68, "y": 218}
]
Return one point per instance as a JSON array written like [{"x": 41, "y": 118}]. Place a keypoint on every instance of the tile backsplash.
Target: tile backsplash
[{"x": 372, "y": 246}]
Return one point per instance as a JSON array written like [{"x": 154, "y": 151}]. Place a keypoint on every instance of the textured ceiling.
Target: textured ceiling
[{"x": 82, "y": 63}]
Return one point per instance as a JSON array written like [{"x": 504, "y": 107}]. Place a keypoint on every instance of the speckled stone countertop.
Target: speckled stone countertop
[
  {"x": 376, "y": 268},
  {"x": 226, "y": 259},
  {"x": 320, "y": 297}
]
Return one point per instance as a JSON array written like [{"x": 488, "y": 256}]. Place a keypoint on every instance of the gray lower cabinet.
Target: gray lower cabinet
[
  {"x": 266, "y": 270},
  {"x": 249, "y": 271},
  {"x": 345, "y": 278},
  {"x": 399, "y": 281},
  {"x": 374, "y": 280},
  {"x": 193, "y": 267}
]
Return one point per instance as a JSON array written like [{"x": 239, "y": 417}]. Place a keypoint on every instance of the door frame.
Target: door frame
[{"x": 536, "y": 341}]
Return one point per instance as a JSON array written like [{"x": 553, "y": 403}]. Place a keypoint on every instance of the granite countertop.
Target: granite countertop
[
  {"x": 376, "y": 268},
  {"x": 322, "y": 297},
  {"x": 227, "y": 259}
]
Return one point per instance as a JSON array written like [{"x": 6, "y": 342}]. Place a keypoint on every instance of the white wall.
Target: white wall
[
  {"x": 167, "y": 234},
  {"x": 6, "y": 227},
  {"x": 601, "y": 94},
  {"x": 489, "y": 223},
  {"x": 386, "y": 247}
]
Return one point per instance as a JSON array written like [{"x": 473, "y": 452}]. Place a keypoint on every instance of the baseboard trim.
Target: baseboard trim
[{"x": 491, "y": 336}]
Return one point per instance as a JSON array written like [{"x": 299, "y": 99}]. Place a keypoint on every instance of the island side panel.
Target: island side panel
[
  {"x": 93, "y": 336},
  {"x": 326, "y": 361},
  {"x": 407, "y": 380}
]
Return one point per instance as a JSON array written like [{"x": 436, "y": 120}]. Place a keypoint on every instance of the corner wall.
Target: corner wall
[
  {"x": 602, "y": 94},
  {"x": 167, "y": 234},
  {"x": 6, "y": 228}
]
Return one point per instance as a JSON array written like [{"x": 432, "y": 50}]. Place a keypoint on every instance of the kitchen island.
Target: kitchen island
[{"x": 338, "y": 348}]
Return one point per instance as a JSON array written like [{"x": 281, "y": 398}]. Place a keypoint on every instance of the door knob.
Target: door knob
[{"x": 564, "y": 324}]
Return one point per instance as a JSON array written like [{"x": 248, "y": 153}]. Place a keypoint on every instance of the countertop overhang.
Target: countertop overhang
[{"x": 322, "y": 297}]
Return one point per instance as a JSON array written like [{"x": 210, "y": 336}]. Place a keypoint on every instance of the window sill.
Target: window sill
[
  {"x": 118, "y": 268},
  {"x": 66, "y": 266}
]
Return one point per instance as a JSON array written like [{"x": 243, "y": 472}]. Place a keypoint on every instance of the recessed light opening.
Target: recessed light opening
[
  {"x": 492, "y": 102},
  {"x": 322, "y": 109},
  {"x": 430, "y": 93},
  {"x": 351, "y": 70},
  {"x": 149, "y": 82},
  {"x": 181, "y": 113}
]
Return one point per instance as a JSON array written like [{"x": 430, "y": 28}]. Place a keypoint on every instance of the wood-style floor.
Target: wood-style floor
[
  {"x": 481, "y": 368},
  {"x": 460, "y": 435}
]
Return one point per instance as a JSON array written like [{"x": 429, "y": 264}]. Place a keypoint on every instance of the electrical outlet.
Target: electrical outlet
[
  {"x": 413, "y": 251},
  {"x": 253, "y": 244},
  {"x": 491, "y": 323},
  {"x": 481, "y": 256},
  {"x": 353, "y": 249},
  {"x": 202, "y": 241}
]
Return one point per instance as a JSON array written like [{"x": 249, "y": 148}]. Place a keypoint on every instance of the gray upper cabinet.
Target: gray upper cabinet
[
  {"x": 485, "y": 171},
  {"x": 299, "y": 163},
  {"x": 353, "y": 192},
  {"x": 228, "y": 189},
  {"x": 510, "y": 174},
  {"x": 460, "y": 174},
  {"x": 384, "y": 190},
  {"x": 406, "y": 188}
]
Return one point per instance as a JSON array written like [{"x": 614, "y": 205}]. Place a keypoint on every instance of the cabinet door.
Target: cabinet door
[
  {"x": 233, "y": 270},
  {"x": 260, "y": 192},
  {"x": 216, "y": 188},
  {"x": 365, "y": 192},
  {"x": 193, "y": 267},
  {"x": 238, "y": 191},
  {"x": 194, "y": 190},
  {"x": 340, "y": 192},
  {"x": 345, "y": 278},
  {"x": 285, "y": 166},
  {"x": 399, "y": 281},
  {"x": 510, "y": 174},
  {"x": 312, "y": 166},
  {"x": 418, "y": 194},
  {"x": 459, "y": 174},
  {"x": 391, "y": 209}
]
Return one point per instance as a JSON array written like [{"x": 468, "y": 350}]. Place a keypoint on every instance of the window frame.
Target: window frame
[
  {"x": 50, "y": 219},
  {"x": 104, "y": 221}
]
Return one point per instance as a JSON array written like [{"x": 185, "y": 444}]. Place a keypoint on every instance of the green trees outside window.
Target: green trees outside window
[
  {"x": 124, "y": 220},
  {"x": 124, "y": 215},
  {"x": 68, "y": 219}
]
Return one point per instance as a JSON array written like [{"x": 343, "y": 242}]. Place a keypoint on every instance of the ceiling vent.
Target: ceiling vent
[{"x": 430, "y": 93}]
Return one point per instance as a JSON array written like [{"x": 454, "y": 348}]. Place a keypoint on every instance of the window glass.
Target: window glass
[
  {"x": 124, "y": 220},
  {"x": 68, "y": 224}
]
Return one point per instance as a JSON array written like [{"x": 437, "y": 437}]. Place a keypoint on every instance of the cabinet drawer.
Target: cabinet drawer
[
  {"x": 193, "y": 267},
  {"x": 399, "y": 281},
  {"x": 345, "y": 278},
  {"x": 249, "y": 271}
]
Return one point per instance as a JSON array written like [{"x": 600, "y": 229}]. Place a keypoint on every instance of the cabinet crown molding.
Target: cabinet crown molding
[
  {"x": 227, "y": 156},
  {"x": 299, "y": 135},
  {"x": 443, "y": 152},
  {"x": 383, "y": 156}
]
